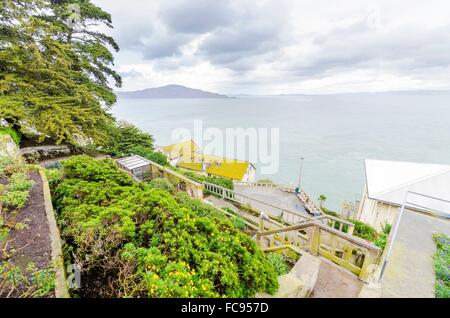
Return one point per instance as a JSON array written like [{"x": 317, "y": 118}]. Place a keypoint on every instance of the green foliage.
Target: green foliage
[
  {"x": 4, "y": 232},
  {"x": 278, "y": 263},
  {"x": 12, "y": 132},
  {"x": 15, "y": 199},
  {"x": 220, "y": 181},
  {"x": 381, "y": 241},
  {"x": 88, "y": 169},
  {"x": 19, "y": 182},
  {"x": 239, "y": 222},
  {"x": 223, "y": 182},
  {"x": 149, "y": 243},
  {"x": 264, "y": 181},
  {"x": 146, "y": 152},
  {"x": 386, "y": 228},
  {"x": 322, "y": 198},
  {"x": 330, "y": 212},
  {"x": 53, "y": 176},
  {"x": 442, "y": 265},
  {"x": 30, "y": 282},
  {"x": 9, "y": 166},
  {"x": 364, "y": 230},
  {"x": 230, "y": 210},
  {"x": 55, "y": 78},
  {"x": 161, "y": 183},
  {"x": 123, "y": 138}
]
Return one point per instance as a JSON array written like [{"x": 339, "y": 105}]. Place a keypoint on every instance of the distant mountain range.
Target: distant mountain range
[{"x": 170, "y": 91}]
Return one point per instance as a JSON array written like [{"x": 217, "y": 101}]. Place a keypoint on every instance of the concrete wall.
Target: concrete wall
[{"x": 376, "y": 213}]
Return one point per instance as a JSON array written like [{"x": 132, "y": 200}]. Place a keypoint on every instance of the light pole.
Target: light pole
[{"x": 300, "y": 174}]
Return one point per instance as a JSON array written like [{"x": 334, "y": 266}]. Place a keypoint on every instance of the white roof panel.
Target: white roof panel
[{"x": 389, "y": 181}]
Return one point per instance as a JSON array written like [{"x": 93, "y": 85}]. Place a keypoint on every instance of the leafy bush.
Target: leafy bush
[
  {"x": 364, "y": 230},
  {"x": 30, "y": 282},
  {"x": 88, "y": 169},
  {"x": 53, "y": 176},
  {"x": 148, "y": 153},
  {"x": 9, "y": 166},
  {"x": 386, "y": 228},
  {"x": 239, "y": 222},
  {"x": 230, "y": 210},
  {"x": 278, "y": 263},
  {"x": 381, "y": 241},
  {"x": 264, "y": 181},
  {"x": 19, "y": 182},
  {"x": 222, "y": 182},
  {"x": 12, "y": 132},
  {"x": 122, "y": 137},
  {"x": 161, "y": 183},
  {"x": 16, "y": 199},
  {"x": 442, "y": 265},
  {"x": 138, "y": 241},
  {"x": 329, "y": 212}
]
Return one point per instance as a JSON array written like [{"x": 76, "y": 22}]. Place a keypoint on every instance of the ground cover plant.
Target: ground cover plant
[
  {"x": 442, "y": 265},
  {"x": 25, "y": 271},
  {"x": 134, "y": 240}
]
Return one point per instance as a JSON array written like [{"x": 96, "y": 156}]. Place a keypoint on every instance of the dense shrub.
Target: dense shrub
[
  {"x": 13, "y": 133},
  {"x": 161, "y": 183},
  {"x": 138, "y": 241},
  {"x": 442, "y": 265},
  {"x": 364, "y": 230},
  {"x": 19, "y": 182},
  {"x": 239, "y": 222},
  {"x": 150, "y": 154},
  {"x": 382, "y": 238},
  {"x": 122, "y": 137},
  {"x": 278, "y": 263},
  {"x": 330, "y": 212},
  {"x": 88, "y": 169},
  {"x": 15, "y": 199},
  {"x": 222, "y": 182}
]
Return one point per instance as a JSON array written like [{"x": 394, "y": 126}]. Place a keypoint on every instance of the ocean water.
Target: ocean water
[{"x": 334, "y": 133}]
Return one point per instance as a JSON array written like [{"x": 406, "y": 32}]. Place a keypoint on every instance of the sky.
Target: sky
[{"x": 282, "y": 46}]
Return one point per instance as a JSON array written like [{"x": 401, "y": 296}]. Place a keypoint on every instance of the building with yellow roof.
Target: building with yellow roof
[{"x": 187, "y": 155}]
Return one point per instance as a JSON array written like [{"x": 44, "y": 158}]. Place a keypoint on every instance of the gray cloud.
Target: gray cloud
[
  {"x": 243, "y": 37},
  {"x": 131, "y": 73},
  {"x": 199, "y": 16}
]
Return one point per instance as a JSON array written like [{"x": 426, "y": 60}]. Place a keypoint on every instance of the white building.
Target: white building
[{"x": 387, "y": 183}]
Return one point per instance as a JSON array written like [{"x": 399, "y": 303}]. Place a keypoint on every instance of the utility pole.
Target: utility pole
[{"x": 300, "y": 174}]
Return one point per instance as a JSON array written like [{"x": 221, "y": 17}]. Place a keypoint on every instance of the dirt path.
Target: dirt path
[
  {"x": 31, "y": 244},
  {"x": 336, "y": 282}
]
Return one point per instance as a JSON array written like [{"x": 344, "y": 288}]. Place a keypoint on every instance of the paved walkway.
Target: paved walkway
[
  {"x": 272, "y": 196},
  {"x": 410, "y": 271}
]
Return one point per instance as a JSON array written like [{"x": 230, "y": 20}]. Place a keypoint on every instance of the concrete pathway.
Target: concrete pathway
[
  {"x": 274, "y": 197},
  {"x": 410, "y": 270}
]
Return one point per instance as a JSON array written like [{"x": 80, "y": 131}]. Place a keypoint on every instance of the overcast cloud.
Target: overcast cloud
[{"x": 282, "y": 46}]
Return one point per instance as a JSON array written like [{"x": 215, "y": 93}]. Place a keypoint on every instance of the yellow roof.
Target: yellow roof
[
  {"x": 193, "y": 159},
  {"x": 187, "y": 148},
  {"x": 230, "y": 169}
]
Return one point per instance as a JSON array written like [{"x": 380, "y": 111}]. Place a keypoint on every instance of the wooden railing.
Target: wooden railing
[
  {"x": 277, "y": 213},
  {"x": 350, "y": 252},
  {"x": 283, "y": 215}
]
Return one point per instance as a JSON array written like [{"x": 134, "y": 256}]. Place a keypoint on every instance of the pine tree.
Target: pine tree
[{"x": 48, "y": 80}]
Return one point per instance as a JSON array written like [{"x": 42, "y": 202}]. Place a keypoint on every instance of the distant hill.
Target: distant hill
[{"x": 170, "y": 91}]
